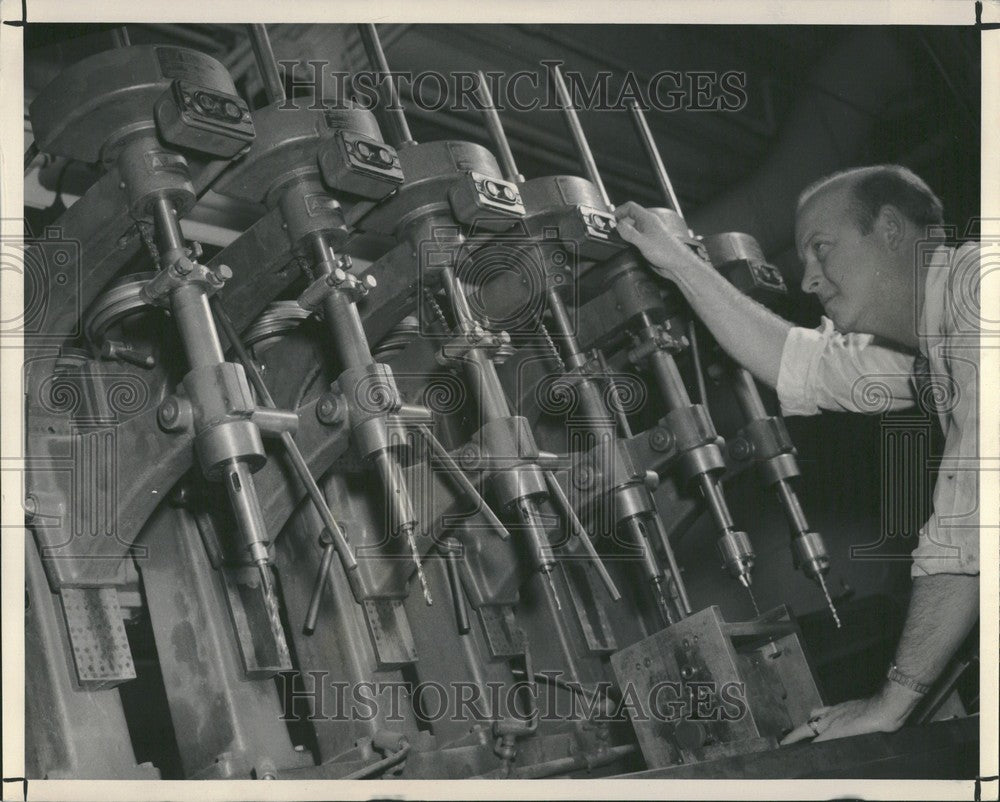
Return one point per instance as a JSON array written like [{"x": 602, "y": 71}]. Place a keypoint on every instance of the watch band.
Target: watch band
[{"x": 897, "y": 676}]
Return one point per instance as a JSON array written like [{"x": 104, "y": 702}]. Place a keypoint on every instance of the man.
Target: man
[{"x": 862, "y": 236}]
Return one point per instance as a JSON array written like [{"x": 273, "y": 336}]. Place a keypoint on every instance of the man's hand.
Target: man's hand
[
  {"x": 885, "y": 712},
  {"x": 664, "y": 252}
]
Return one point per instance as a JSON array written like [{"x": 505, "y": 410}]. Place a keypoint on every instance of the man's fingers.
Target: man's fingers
[
  {"x": 626, "y": 229},
  {"x": 800, "y": 733},
  {"x": 839, "y": 730},
  {"x": 631, "y": 213},
  {"x": 627, "y": 209}
]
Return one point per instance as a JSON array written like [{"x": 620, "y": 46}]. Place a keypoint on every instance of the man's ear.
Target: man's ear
[{"x": 890, "y": 225}]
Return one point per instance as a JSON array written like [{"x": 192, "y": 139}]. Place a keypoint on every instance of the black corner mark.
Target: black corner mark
[
  {"x": 19, "y": 23},
  {"x": 979, "y": 785},
  {"x": 980, "y": 25},
  {"x": 22, "y": 780}
]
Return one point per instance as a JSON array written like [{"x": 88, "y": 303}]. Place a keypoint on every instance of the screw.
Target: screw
[
  {"x": 329, "y": 410},
  {"x": 183, "y": 266},
  {"x": 30, "y": 507},
  {"x": 169, "y": 413},
  {"x": 660, "y": 439},
  {"x": 469, "y": 456},
  {"x": 584, "y": 478},
  {"x": 741, "y": 448}
]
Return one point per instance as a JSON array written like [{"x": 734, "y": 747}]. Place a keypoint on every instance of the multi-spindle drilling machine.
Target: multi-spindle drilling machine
[{"x": 411, "y": 520}]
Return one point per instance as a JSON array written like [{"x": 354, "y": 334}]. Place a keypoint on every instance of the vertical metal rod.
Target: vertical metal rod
[
  {"x": 579, "y": 138},
  {"x": 495, "y": 129},
  {"x": 716, "y": 502},
  {"x": 747, "y": 395},
  {"x": 264, "y": 56},
  {"x": 120, "y": 37},
  {"x": 655, "y": 160},
  {"x": 191, "y": 313},
  {"x": 30, "y": 155},
  {"x": 312, "y": 615},
  {"x": 675, "y": 569},
  {"x": 545, "y": 558},
  {"x": 168, "y": 231},
  {"x": 667, "y": 188},
  {"x": 699, "y": 374},
  {"x": 617, "y": 409},
  {"x": 393, "y": 109},
  {"x": 449, "y": 553}
]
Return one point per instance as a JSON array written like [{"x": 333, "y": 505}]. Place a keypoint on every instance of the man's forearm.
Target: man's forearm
[
  {"x": 943, "y": 609},
  {"x": 750, "y": 333}
]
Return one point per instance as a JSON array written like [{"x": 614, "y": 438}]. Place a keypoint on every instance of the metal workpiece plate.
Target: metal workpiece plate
[
  {"x": 390, "y": 632},
  {"x": 97, "y": 635},
  {"x": 90, "y": 102},
  {"x": 503, "y": 636},
  {"x": 588, "y": 597},
  {"x": 287, "y": 140}
]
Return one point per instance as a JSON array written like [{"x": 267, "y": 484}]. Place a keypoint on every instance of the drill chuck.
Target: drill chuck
[
  {"x": 737, "y": 555},
  {"x": 809, "y": 554}
]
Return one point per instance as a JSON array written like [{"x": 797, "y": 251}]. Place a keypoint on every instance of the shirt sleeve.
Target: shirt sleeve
[{"x": 825, "y": 369}]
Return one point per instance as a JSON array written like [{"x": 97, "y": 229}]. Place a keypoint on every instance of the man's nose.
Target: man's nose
[{"x": 812, "y": 277}]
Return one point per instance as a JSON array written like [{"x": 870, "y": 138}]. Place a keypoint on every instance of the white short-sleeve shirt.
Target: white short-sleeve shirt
[{"x": 826, "y": 369}]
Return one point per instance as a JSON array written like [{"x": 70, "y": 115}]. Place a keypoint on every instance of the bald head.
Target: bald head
[{"x": 869, "y": 189}]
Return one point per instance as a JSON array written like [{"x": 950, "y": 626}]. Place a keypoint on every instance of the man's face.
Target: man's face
[{"x": 842, "y": 265}]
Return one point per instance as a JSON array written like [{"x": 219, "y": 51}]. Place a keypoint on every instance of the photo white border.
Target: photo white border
[{"x": 812, "y": 12}]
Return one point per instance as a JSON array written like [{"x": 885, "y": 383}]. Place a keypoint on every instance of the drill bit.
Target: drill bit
[
  {"x": 661, "y": 601},
  {"x": 829, "y": 601},
  {"x": 407, "y": 531},
  {"x": 547, "y": 573},
  {"x": 745, "y": 581},
  {"x": 273, "y": 613}
]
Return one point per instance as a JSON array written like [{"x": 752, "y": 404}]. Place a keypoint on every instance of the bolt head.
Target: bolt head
[
  {"x": 741, "y": 448},
  {"x": 169, "y": 411},
  {"x": 328, "y": 410},
  {"x": 469, "y": 456},
  {"x": 660, "y": 439}
]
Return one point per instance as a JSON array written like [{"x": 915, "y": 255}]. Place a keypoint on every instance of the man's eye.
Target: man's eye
[{"x": 821, "y": 249}]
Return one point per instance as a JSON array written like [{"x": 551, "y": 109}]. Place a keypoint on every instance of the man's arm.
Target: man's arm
[
  {"x": 943, "y": 609},
  {"x": 811, "y": 370},
  {"x": 750, "y": 333}
]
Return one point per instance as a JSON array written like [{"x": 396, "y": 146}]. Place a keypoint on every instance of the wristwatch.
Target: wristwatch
[{"x": 897, "y": 676}]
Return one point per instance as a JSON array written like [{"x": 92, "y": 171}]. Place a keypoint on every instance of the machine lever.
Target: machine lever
[
  {"x": 462, "y": 480},
  {"x": 578, "y": 529}
]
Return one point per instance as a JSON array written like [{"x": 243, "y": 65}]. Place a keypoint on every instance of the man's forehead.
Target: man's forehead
[{"x": 826, "y": 207}]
